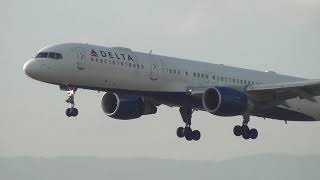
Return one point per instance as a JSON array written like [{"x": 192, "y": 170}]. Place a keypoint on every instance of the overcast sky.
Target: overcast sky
[{"x": 283, "y": 36}]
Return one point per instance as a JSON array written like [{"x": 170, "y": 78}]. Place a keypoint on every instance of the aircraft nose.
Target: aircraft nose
[{"x": 29, "y": 68}]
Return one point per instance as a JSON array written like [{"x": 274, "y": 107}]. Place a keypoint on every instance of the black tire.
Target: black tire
[
  {"x": 75, "y": 112},
  {"x": 245, "y": 132},
  {"x": 253, "y": 133},
  {"x": 68, "y": 112},
  {"x": 188, "y": 133},
  {"x": 196, "y": 135},
  {"x": 188, "y": 137},
  {"x": 237, "y": 130},
  {"x": 180, "y": 132}
]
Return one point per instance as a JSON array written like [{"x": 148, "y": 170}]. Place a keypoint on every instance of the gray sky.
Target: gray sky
[{"x": 282, "y": 36}]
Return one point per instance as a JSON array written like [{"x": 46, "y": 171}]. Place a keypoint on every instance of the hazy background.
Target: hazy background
[
  {"x": 282, "y": 36},
  {"x": 275, "y": 167}
]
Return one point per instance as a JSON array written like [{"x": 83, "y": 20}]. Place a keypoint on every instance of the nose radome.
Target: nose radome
[{"x": 29, "y": 68}]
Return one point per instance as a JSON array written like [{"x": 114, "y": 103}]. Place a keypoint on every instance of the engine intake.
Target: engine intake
[
  {"x": 125, "y": 107},
  {"x": 224, "y": 101}
]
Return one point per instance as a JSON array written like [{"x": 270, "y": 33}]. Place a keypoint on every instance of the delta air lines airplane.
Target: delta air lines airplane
[{"x": 136, "y": 83}]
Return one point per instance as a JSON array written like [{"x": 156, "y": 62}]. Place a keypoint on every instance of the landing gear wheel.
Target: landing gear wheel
[
  {"x": 180, "y": 132},
  {"x": 75, "y": 112},
  {"x": 196, "y": 135},
  {"x": 253, "y": 133},
  {"x": 186, "y": 114},
  {"x": 188, "y": 137},
  {"x": 237, "y": 130},
  {"x": 68, "y": 112},
  {"x": 72, "y": 111},
  {"x": 188, "y": 133},
  {"x": 245, "y": 132}
]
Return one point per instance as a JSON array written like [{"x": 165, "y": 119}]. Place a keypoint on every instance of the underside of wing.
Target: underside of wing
[{"x": 280, "y": 92}]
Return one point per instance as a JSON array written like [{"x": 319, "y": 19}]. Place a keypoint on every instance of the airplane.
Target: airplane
[{"x": 136, "y": 83}]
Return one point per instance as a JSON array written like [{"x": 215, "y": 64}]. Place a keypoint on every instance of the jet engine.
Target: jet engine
[
  {"x": 125, "y": 107},
  {"x": 224, "y": 101}
]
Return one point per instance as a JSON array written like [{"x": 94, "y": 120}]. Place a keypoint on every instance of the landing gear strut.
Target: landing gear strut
[
  {"x": 72, "y": 111},
  {"x": 244, "y": 130},
  {"x": 187, "y": 132}
]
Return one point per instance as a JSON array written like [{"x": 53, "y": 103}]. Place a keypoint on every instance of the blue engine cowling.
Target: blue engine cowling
[
  {"x": 224, "y": 101},
  {"x": 125, "y": 107}
]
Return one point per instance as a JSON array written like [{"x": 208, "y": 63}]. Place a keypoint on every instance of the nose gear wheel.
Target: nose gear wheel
[{"x": 72, "y": 111}]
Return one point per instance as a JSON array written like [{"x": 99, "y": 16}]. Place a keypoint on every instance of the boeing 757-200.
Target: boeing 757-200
[{"x": 136, "y": 83}]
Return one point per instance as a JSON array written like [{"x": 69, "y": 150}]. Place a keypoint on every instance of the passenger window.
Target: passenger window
[
  {"x": 202, "y": 76},
  {"x": 194, "y": 74},
  {"x": 207, "y": 76},
  {"x": 221, "y": 78},
  {"x": 129, "y": 64},
  {"x": 174, "y": 71},
  {"x": 134, "y": 65},
  {"x": 142, "y": 66},
  {"x": 198, "y": 74},
  {"x": 186, "y": 73},
  {"x": 138, "y": 66},
  {"x": 213, "y": 77}
]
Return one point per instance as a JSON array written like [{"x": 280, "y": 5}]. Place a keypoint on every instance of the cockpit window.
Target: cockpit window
[
  {"x": 58, "y": 56},
  {"x": 42, "y": 55},
  {"x": 51, "y": 55}
]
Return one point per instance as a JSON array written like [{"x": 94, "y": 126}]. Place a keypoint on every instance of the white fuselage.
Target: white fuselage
[{"x": 97, "y": 67}]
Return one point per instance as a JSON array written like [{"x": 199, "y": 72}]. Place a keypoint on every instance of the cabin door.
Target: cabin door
[
  {"x": 155, "y": 69},
  {"x": 80, "y": 56}
]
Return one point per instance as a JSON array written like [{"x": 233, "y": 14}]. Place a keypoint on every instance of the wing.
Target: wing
[{"x": 275, "y": 94}]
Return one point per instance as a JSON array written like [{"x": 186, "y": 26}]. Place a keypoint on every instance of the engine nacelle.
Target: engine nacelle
[
  {"x": 224, "y": 101},
  {"x": 125, "y": 107}
]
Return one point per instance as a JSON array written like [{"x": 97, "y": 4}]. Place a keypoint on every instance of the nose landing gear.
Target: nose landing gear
[
  {"x": 187, "y": 132},
  {"x": 72, "y": 111}
]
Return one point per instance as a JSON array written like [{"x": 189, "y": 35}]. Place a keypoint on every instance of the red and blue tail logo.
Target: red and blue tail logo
[{"x": 94, "y": 53}]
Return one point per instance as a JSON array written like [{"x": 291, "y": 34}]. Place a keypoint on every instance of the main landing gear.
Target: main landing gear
[
  {"x": 72, "y": 111},
  {"x": 187, "y": 132},
  {"x": 244, "y": 130}
]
